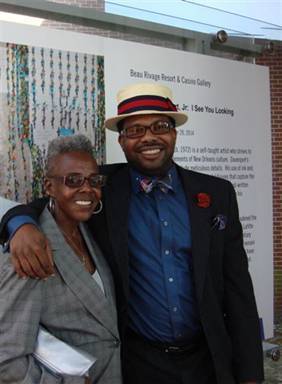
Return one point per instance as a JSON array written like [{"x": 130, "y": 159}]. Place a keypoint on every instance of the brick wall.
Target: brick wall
[
  {"x": 273, "y": 59},
  {"x": 97, "y": 4},
  {"x": 100, "y": 6}
]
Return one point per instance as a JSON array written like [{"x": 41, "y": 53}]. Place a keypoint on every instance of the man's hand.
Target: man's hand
[{"x": 31, "y": 253}]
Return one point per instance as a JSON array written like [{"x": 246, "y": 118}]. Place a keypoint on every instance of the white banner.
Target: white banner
[{"x": 228, "y": 133}]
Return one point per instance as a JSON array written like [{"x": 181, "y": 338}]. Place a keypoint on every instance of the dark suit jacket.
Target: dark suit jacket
[{"x": 224, "y": 289}]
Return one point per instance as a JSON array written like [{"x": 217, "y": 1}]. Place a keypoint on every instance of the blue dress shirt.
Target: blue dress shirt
[
  {"x": 162, "y": 303},
  {"x": 14, "y": 224}
]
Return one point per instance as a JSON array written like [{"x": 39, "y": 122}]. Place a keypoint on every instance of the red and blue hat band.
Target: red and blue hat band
[{"x": 146, "y": 102}]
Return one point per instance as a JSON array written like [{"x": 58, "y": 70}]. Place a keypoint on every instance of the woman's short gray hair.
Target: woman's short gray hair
[{"x": 64, "y": 144}]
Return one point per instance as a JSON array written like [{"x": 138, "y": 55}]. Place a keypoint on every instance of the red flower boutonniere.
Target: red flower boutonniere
[{"x": 203, "y": 200}]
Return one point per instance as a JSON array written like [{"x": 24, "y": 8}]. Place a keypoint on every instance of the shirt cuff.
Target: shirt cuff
[{"x": 13, "y": 225}]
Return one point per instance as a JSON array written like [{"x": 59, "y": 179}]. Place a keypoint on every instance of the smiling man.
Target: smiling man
[
  {"x": 150, "y": 146},
  {"x": 174, "y": 242}
]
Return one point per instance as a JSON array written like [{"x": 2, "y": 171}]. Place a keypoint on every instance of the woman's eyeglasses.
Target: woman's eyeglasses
[
  {"x": 76, "y": 180},
  {"x": 159, "y": 127}
]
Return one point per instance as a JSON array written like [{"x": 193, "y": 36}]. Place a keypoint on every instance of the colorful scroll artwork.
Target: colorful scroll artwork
[{"x": 45, "y": 93}]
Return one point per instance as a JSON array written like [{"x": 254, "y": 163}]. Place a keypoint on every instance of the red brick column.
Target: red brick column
[{"x": 273, "y": 59}]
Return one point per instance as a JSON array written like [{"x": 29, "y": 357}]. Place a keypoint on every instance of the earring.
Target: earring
[
  {"x": 51, "y": 205},
  {"x": 100, "y": 207}
]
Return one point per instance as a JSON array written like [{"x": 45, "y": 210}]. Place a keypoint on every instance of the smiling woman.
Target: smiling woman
[
  {"x": 72, "y": 182},
  {"x": 74, "y": 187},
  {"x": 77, "y": 305}
]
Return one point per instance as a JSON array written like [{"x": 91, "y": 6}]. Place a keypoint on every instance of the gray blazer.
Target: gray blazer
[{"x": 71, "y": 306}]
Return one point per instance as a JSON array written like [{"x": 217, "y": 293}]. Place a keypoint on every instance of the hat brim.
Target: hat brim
[{"x": 179, "y": 118}]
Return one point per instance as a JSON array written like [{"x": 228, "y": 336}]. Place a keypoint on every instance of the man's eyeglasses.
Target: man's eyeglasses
[
  {"x": 76, "y": 180},
  {"x": 159, "y": 127}
]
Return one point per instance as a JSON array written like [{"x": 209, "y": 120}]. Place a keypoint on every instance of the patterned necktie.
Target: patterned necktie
[{"x": 164, "y": 184}]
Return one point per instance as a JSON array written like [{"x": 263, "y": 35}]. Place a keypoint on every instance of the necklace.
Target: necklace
[{"x": 78, "y": 249}]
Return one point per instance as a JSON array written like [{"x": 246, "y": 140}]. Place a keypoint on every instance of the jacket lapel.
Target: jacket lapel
[
  {"x": 101, "y": 265},
  {"x": 117, "y": 199},
  {"x": 79, "y": 281},
  {"x": 200, "y": 219}
]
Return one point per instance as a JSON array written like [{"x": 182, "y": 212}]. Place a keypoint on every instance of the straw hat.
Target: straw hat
[{"x": 145, "y": 99}]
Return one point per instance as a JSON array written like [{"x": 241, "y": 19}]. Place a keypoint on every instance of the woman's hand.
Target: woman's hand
[{"x": 31, "y": 253}]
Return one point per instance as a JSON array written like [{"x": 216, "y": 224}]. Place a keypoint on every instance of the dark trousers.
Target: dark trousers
[{"x": 152, "y": 363}]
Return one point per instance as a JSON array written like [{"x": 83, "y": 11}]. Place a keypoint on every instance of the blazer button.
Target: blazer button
[{"x": 116, "y": 343}]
